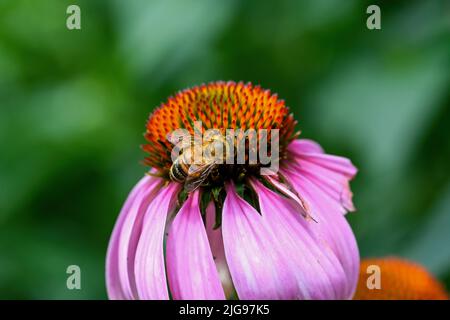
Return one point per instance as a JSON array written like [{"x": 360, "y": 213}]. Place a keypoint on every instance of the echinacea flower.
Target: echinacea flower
[
  {"x": 240, "y": 233},
  {"x": 400, "y": 279}
]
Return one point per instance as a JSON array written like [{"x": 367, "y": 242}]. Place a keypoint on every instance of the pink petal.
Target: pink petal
[
  {"x": 330, "y": 173},
  {"x": 303, "y": 207},
  {"x": 334, "y": 185},
  {"x": 259, "y": 267},
  {"x": 335, "y": 163},
  {"x": 216, "y": 242},
  {"x": 331, "y": 227},
  {"x": 313, "y": 266},
  {"x": 301, "y": 146},
  {"x": 116, "y": 281},
  {"x": 190, "y": 265},
  {"x": 312, "y": 151},
  {"x": 149, "y": 262},
  {"x": 128, "y": 238}
]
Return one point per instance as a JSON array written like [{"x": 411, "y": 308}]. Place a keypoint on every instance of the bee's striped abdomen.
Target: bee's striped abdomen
[{"x": 178, "y": 171}]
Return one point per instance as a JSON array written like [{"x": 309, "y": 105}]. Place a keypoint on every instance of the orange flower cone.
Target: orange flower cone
[{"x": 400, "y": 280}]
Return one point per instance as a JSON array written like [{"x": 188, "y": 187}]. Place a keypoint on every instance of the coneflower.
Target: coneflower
[{"x": 240, "y": 232}]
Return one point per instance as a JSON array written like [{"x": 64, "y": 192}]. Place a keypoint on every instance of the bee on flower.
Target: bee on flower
[{"x": 234, "y": 205}]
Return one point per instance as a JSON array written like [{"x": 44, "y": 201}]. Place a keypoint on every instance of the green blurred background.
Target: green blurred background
[{"x": 73, "y": 106}]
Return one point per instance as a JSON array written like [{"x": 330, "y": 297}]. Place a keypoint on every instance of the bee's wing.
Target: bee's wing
[
  {"x": 195, "y": 168},
  {"x": 197, "y": 175}
]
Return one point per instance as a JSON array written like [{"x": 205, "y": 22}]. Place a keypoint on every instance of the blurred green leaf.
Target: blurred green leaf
[
  {"x": 158, "y": 37},
  {"x": 430, "y": 245}
]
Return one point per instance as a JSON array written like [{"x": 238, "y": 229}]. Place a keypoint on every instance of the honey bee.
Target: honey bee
[{"x": 194, "y": 175}]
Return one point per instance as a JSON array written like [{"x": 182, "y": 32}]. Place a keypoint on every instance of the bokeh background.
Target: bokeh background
[{"x": 73, "y": 106}]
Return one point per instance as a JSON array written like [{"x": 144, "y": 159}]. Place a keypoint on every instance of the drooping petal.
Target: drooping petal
[
  {"x": 331, "y": 225},
  {"x": 335, "y": 186},
  {"x": 330, "y": 173},
  {"x": 283, "y": 188},
  {"x": 322, "y": 180},
  {"x": 191, "y": 270},
  {"x": 337, "y": 164},
  {"x": 149, "y": 266},
  {"x": 302, "y": 146},
  {"x": 313, "y": 266},
  {"x": 116, "y": 281},
  {"x": 258, "y": 266},
  {"x": 216, "y": 242},
  {"x": 128, "y": 239},
  {"x": 113, "y": 286}
]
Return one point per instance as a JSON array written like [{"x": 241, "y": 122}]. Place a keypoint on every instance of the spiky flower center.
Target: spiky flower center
[{"x": 218, "y": 105}]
